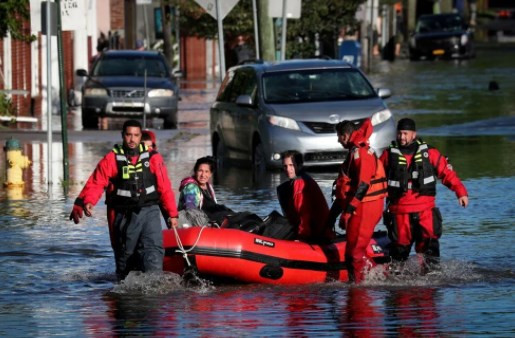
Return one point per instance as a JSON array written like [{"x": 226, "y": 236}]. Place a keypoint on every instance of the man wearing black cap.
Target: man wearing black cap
[{"x": 412, "y": 168}]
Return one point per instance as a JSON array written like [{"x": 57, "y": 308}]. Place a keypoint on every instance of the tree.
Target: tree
[
  {"x": 167, "y": 31},
  {"x": 324, "y": 18},
  {"x": 13, "y": 15},
  {"x": 197, "y": 22}
]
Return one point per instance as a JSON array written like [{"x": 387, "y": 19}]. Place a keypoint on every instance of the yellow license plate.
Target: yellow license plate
[{"x": 438, "y": 52}]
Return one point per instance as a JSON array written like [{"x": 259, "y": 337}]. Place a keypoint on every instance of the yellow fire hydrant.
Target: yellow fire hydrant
[{"x": 15, "y": 163}]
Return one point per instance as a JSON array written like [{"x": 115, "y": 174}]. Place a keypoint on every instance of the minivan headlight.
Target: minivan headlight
[
  {"x": 160, "y": 93},
  {"x": 464, "y": 39},
  {"x": 381, "y": 116},
  {"x": 95, "y": 92},
  {"x": 283, "y": 122}
]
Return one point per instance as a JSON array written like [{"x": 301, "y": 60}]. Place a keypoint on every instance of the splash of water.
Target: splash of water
[
  {"x": 413, "y": 273},
  {"x": 157, "y": 283}
]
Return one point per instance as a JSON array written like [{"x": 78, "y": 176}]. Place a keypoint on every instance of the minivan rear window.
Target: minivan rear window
[{"x": 315, "y": 85}]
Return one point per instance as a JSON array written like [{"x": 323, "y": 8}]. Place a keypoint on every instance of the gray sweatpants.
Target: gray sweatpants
[{"x": 139, "y": 240}]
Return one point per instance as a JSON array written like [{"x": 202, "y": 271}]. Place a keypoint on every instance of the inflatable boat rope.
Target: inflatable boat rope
[{"x": 181, "y": 248}]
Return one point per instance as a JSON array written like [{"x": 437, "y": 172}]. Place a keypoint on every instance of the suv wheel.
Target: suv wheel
[
  {"x": 89, "y": 121},
  {"x": 258, "y": 158},
  {"x": 169, "y": 124}
]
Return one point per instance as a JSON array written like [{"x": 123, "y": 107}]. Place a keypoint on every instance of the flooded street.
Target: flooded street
[{"x": 58, "y": 278}]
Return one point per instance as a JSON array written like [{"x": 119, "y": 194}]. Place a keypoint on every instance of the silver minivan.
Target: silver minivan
[{"x": 263, "y": 109}]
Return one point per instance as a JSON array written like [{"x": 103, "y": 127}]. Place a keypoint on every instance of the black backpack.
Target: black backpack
[{"x": 277, "y": 226}]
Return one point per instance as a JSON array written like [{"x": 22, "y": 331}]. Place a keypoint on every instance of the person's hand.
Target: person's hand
[
  {"x": 172, "y": 222},
  {"x": 88, "y": 208},
  {"x": 77, "y": 213},
  {"x": 344, "y": 220},
  {"x": 463, "y": 201}
]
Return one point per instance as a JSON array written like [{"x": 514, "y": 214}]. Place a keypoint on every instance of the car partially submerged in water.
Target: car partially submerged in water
[
  {"x": 264, "y": 109},
  {"x": 441, "y": 36}
]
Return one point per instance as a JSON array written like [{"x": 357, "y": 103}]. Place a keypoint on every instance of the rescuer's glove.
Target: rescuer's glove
[{"x": 78, "y": 211}]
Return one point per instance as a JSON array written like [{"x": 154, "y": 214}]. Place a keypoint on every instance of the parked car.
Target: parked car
[
  {"x": 263, "y": 109},
  {"x": 441, "y": 36},
  {"x": 127, "y": 83}
]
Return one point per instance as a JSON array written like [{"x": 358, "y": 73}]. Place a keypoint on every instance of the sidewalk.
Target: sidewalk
[{"x": 193, "y": 115}]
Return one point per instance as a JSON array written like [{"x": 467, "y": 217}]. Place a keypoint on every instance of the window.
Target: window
[
  {"x": 316, "y": 85},
  {"x": 125, "y": 65}
]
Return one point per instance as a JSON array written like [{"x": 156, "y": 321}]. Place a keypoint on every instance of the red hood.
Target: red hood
[
  {"x": 186, "y": 181},
  {"x": 152, "y": 136},
  {"x": 360, "y": 137}
]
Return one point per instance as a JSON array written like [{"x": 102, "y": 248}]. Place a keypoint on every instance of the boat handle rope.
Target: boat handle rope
[{"x": 181, "y": 247}]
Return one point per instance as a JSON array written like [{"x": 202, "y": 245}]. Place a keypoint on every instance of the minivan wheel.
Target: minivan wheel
[
  {"x": 220, "y": 154},
  {"x": 258, "y": 158}
]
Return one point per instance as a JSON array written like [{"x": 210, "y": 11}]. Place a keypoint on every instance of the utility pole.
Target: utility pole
[
  {"x": 49, "y": 90},
  {"x": 130, "y": 24},
  {"x": 284, "y": 30},
  {"x": 256, "y": 28},
  {"x": 62, "y": 92},
  {"x": 266, "y": 32}
]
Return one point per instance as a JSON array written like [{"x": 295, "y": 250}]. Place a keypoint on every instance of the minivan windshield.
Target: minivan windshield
[
  {"x": 314, "y": 85},
  {"x": 128, "y": 65}
]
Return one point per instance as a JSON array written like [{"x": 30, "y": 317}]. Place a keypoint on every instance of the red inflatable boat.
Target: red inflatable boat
[{"x": 231, "y": 254}]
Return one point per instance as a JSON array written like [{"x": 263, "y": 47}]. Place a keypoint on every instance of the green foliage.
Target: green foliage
[
  {"x": 195, "y": 21},
  {"x": 324, "y": 17},
  {"x": 13, "y": 14},
  {"x": 6, "y": 106}
]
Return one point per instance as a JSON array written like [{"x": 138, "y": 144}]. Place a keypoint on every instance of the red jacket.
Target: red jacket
[
  {"x": 411, "y": 201},
  {"x": 307, "y": 208},
  {"x": 107, "y": 169},
  {"x": 360, "y": 167}
]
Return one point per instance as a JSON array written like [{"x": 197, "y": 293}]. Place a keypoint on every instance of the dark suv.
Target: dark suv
[
  {"x": 441, "y": 36},
  {"x": 126, "y": 83},
  {"x": 263, "y": 109}
]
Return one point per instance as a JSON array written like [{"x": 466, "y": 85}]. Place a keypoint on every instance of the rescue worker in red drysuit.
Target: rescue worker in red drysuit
[
  {"x": 140, "y": 181},
  {"x": 149, "y": 139},
  {"x": 302, "y": 201},
  {"x": 360, "y": 190},
  {"x": 412, "y": 168}
]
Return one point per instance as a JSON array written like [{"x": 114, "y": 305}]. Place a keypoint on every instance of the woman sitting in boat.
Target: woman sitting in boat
[
  {"x": 197, "y": 193},
  {"x": 302, "y": 201}
]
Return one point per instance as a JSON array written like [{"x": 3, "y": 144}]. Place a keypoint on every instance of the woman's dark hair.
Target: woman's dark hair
[
  {"x": 209, "y": 160},
  {"x": 345, "y": 127},
  {"x": 295, "y": 156}
]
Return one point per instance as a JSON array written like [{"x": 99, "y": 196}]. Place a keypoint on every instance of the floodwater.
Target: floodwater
[{"x": 58, "y": 278}]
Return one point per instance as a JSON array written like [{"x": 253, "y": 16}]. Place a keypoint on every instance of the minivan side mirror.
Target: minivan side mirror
[
  {"x": 81, "y": 72},
  {"x": 244, "y": 100},
  {"x": 384, "y": 93}
]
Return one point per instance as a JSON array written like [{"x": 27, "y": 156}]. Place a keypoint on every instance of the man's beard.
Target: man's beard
[{"x": 131, "y": 151}]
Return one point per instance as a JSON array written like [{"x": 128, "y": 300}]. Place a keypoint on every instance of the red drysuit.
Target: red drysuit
[{"x": 360, "y": 191}]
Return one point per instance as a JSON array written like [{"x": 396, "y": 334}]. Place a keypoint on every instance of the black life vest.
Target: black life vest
[
  {"x": 285, "y": 196},
  {"x": 419, "y": 176},
  {"x": 135, "y": 185}
]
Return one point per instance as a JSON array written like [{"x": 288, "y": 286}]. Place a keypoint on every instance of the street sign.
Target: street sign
[
  {"x": 275, "y": 9},
  {"x": 72, "y": 15},
  {"x": 210, "y": 6}
]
